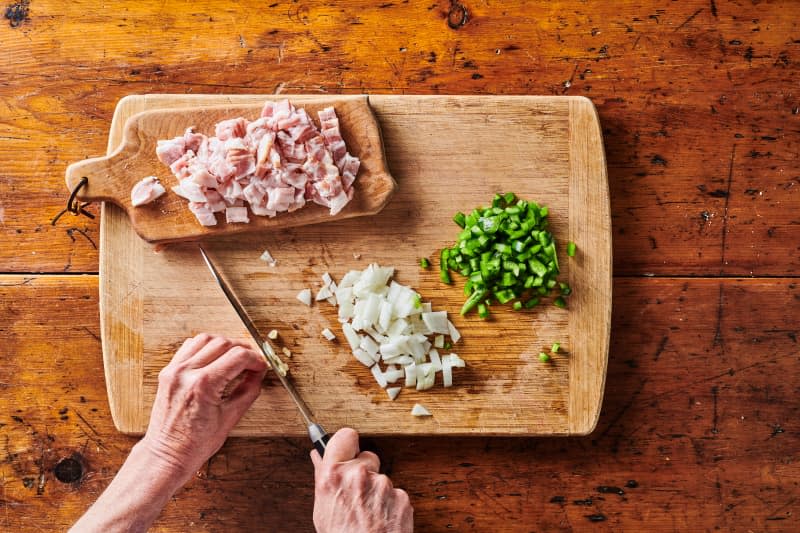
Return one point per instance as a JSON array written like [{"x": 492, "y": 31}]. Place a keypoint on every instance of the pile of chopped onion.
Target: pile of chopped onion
[{"x": 387, "y": 323}]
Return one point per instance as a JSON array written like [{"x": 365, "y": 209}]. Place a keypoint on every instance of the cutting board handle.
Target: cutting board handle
[{"x": 100, "y": 187}]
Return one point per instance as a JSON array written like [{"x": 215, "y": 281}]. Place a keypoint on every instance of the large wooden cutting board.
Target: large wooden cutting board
[{"x": 447, "y": 154}]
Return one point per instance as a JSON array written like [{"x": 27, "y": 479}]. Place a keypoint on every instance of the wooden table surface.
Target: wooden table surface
[{"x": 700, "y": 107}]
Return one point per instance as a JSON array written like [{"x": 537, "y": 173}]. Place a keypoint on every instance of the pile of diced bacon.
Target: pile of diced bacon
[{"x": 273, "y": 164}]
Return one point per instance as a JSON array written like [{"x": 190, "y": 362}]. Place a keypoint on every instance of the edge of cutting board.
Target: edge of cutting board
[{"x": 121, "y": 321}]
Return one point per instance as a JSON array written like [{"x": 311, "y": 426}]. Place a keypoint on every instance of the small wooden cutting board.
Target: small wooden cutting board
[
  {"x": 448, "y": 154},
  {"x": 168, "y": 219}
]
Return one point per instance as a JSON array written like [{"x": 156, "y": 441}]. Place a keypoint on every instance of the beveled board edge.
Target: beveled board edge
[
  {"x": 121, "y": 321},
  {"x": 591, "y": 299}
]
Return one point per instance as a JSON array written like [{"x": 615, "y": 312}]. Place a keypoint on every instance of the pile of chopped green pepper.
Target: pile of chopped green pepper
[{"x": 507, "y": 254}]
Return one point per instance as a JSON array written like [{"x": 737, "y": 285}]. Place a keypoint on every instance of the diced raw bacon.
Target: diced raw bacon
[
  {"x": 193, "y": 140},
  {"x": 338, "y": 202},
  {"x": 327, "y": 113},
  {"x": 280, "y": 198},
  {"x": 189, "y": 190},
  {"x": 276, "y": 163},
  {"x": 295, "y": 176},
  {"x": 350, "y": 164},
  {"x": 215, "y": 201},
  {"x": 254, "y": 194},
  {"x": 146, "y": 190},
  {"x": 236, "y": 215},
  {"x": 180, "y": 167},
  {"x": 268, "y": 109},
  {"x": 204, "y": 215},
  {"x": 234, "y": 127},
  {"x": 199, "y": 174},
  {"x": 299, "y": 200},
  {"x": 170, "y": 151}
]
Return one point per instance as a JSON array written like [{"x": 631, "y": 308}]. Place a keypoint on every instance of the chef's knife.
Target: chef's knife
[{"x": 318, "y": 435}]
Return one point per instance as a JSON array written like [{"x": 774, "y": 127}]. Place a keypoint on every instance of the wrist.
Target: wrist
[{"x": 165, "y": 473}]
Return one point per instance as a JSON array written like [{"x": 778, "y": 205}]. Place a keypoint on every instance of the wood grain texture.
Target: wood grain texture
[
  {"x": 677, "y": 87},
  {"x": 168, "y": 219},
  {"x": 508, "y": 392},
  {"x": 699, "y": 413},
  {"x": 700, "y": 113}
]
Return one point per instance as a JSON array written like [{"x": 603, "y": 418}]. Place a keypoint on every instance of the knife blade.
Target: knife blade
[{"x": 319, "y": 437}]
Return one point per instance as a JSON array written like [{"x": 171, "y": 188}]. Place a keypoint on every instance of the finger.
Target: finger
[
  {"x": 190, "y": 347},
  {"x": 372, "y": 462},
  {"x": 316, "y": 459},
  {"x": 237, "y": 404},
  {"x": 232, "y": 363},
  {"x": 246, "y": 391},
  {"x": 213, "y": 350},
  {"x": 342, "y": 447}
]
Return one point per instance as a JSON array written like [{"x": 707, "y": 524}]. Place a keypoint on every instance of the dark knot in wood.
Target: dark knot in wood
[
  {"x": 69, "y": 470},
  {"x": 457, "y": 16}
]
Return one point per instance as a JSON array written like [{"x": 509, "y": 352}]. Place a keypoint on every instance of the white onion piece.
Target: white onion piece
[
  {"x": 326, "y": 279},
  {"x": 305, "y": 296},
  {"x": 447, "y": 372},
  {"x": 435, "y": 360},
  {"x": 370, "y": 346},
  {"x": 379, "y": 377},
  {"x": 393, "y": 375},
  {"x": 411, "y": 375},
  {"x": 425, "y": 376},
  {"x": 401, "y": 360},
  {"x": 454, "y": 334},
  {"x": 437, "y": 322},
  {"x": 393, "y": 392},
  {"x": 419, "y": 410},
  {"x": 438, "y": 341},
  {"x": 328, "y": 334},
  {"x": 324, "y": 293},
  {"x": 350, "y": 279},
  {"x": 353, "y": 338},
  {"x": 456, "y": 361},
  {"x": 267, "y": 258},
  {"x": 364, "y": 358}
]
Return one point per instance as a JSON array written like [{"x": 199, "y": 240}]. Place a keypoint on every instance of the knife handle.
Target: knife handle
[{"x": 319, "y": 437}]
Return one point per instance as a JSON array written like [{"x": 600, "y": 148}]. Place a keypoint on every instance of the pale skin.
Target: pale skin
[{"x": 202, "y": 393}]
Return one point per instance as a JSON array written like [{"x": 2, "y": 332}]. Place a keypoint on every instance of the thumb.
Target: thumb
[
  {"x": 315, "y": 458},
  {"x": 342, "y": 447}
]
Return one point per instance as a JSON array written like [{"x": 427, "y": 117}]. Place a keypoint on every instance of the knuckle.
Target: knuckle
[
  {"x": 329, "y": 479},
  {"x": 239, "y": 351},
  {"x": 401, "y": 497},
  {"x": 201, "y": 382},
  {"x": 384, "y": 483},
  {"x": 203, "y": 338},
  {"x": 167, "y": 374}
]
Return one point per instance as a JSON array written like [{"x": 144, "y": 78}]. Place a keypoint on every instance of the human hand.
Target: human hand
[
  {"x": 202, "y": 393},
  {"x": 350, "y": 494}
]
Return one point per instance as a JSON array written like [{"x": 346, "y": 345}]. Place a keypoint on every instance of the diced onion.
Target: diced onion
[
  {"x": 267, "y": 258},
  {"x": 454, "y": 334},
  {"x": 393, "y": 392},
  {"x": 353, "y": 338},
  {"x": 364, "y": 358},
  {"x": 419, "y": 410},
  {"x": 387, "y": 325},
  {"x": 435, "y": 360},
  {"x": 438, "y": 341},
  {"x": 305, "y": 296},
  {"x": 328, "y": 334},
  {"x": 379, "y": 377},
  {"x": 437, "y": 322}
]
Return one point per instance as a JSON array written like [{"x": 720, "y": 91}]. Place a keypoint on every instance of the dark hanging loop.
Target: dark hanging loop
[{"x": 73, "y": 205}]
